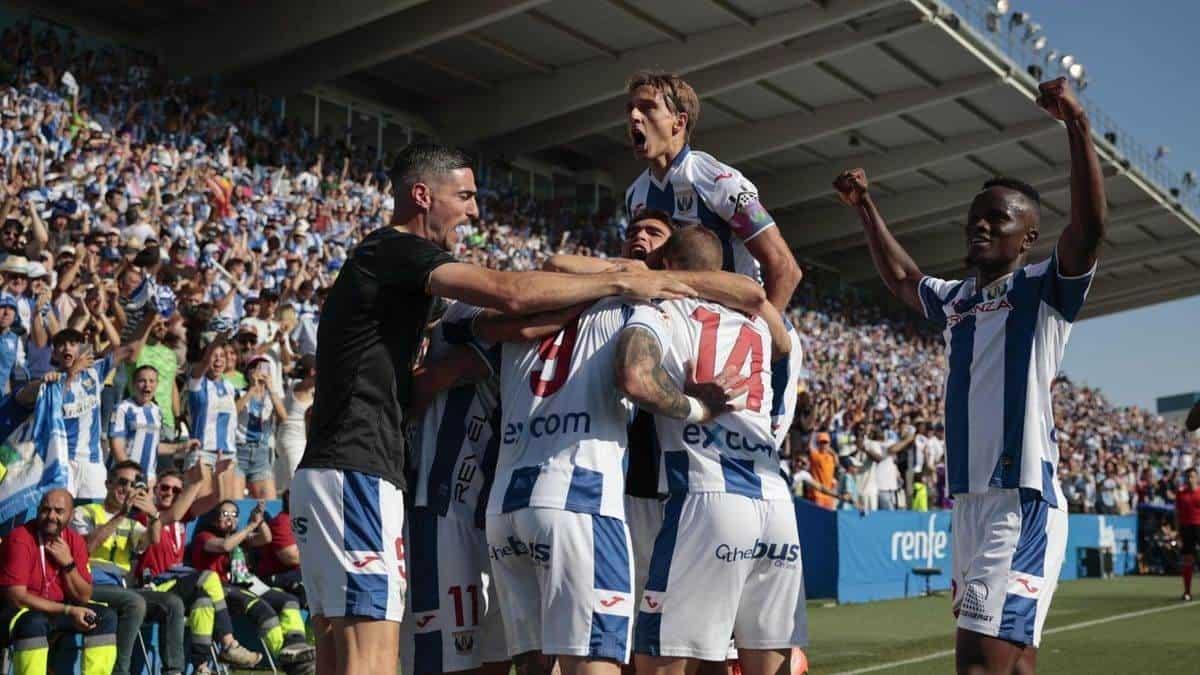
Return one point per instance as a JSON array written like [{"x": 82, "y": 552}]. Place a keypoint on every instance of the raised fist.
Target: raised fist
[
  {"x": 851, "y": 186},
  {"x": 1057, "y": 98}
]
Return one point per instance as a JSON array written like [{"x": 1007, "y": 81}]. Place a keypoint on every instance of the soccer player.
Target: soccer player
[
  {"x": 729, "y": 549},
  {"x": 1005, "y": 330},
  {"x": 352, "y": 471},
  {"x": 693, "y": 187},
  {"x": 1187, "y": 522},
  {"x": 555, "y": 520}
]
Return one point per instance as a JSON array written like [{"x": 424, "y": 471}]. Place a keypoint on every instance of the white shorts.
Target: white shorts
[
  {"x": 644, "y": 517},
  {"x": 564, "y": 581},
  {"x": 88, "y": 480},
  {"x": 349, "y": 527},
  {"x": 453, "y": 621},
  {"x": 1008, "y": 551},
  {"x": 723, "y": 564}
]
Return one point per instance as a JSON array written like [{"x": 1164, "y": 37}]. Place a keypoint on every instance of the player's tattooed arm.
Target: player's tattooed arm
[{"x": 641, "y": 377}]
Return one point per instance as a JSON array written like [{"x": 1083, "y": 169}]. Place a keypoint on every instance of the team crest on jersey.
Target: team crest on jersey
[
  {"x": 464, "y": 641},
  {"x": 685, "y": 203}
]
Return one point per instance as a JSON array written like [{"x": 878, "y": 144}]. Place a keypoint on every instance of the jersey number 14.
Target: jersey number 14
[{"x": 749, "y": 344}]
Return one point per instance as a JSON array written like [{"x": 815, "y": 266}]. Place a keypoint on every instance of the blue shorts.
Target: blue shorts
[{"x": 256, "y": 462}]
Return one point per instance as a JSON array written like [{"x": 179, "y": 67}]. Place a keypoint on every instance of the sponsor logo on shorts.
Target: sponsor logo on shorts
[
  {"x": 360, "y": 564},
  {"x": 780, "y": 555},
  {"x": 608, "y": 601},
  {"x": 464, "y": 641},
  {"x": 300, "y": 528},
  {"x": 652, "y": 602},
  {"x": 538, "y": 553},
  {"x": 1025, "y": 585},
  {"x": 426, "y": 622},
  {"x": 974, "y": 601}
]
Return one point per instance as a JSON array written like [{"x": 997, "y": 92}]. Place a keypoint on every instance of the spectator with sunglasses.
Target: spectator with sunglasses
[
  {"x": 114, "y": 539},
  {"x": 162, "y": 563}
]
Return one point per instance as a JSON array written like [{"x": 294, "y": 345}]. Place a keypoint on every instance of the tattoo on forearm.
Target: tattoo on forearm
[{"x": 640, "y": 348}]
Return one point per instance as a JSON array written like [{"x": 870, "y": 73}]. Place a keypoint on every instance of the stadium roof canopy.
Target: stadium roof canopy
[{"x": 793, "y": 91}]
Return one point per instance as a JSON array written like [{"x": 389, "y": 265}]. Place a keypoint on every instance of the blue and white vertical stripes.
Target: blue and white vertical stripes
[{"x": 35, "y": 455}]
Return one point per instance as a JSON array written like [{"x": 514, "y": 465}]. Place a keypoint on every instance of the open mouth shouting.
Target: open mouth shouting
[{"x": 639, "y": 141}]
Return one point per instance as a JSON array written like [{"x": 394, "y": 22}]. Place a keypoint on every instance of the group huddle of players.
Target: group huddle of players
[{"x": 598, "y": 478}]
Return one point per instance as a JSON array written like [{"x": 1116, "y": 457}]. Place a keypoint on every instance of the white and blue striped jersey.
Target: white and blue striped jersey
[
  {"x": 1005, "y": 344},
  {"x": 785, "y": 386},
  {"x": 12, "y": 359},
  {"x": 212, "y": 408},
  {"x": 699, "y": 189},
  {"x": 734, "y": 453},
  {"x": 81, "y": 412},
  {"x": 141, "y": 427},
  {"x": 458, "y": 437},
  {"x": 564, "y": 423},
  {"x": 256, "y": 421}
]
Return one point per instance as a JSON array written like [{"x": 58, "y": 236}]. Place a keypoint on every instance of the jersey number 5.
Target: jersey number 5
[
  {"x": 749, "y": 344},
  {"x": 556, "y": 348}
]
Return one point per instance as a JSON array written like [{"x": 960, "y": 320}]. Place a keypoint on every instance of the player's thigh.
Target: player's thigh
[
  {"x": 349, "y": 528},
  {"x": 771, "y": 613},
  {"x": 365, "y": 645},
  {"x": 493, "y": 646},
  {"x": 644, "y": 517},
  {"x": 448, "y": 607},
  {"x": 514, "y": 575},
  {"x": 702, "y": 557},
  {"x": 1009, "y": 574}
]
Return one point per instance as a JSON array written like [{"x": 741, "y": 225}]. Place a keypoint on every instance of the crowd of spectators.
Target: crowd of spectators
[{"x": 166, "y": 251}]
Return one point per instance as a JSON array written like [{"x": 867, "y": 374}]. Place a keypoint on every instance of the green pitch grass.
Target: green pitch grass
[
  {"x": 854, "y": 637},
  {"x": 871, "y": 636}
]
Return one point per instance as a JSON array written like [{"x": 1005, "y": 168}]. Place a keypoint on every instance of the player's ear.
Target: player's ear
[
  {"x": 681, "y": 122},
  {"x": 1032, "y": 233}
]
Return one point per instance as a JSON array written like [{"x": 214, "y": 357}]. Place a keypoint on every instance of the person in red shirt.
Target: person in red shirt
[
  {"x": 202, "y": 591},
  {"x": 275, "y": 612},
  {"x": 1187, "y": 521},
  {"x": 279, "y": 559},
  {"x": 47, "y": 588}
]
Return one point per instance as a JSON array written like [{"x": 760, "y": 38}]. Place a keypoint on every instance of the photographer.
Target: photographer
[{"x": 114, "y": 539}]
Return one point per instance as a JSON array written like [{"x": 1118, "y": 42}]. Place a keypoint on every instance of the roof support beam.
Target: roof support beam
[
  {"x": 710, "y": 81},
  {"x": 1142, "y": 299},
  {"x": 833, "y": 228},
  {"x": 800, "y": 185},
  {"x": 945, "y": 252},
  {"x": 530, "y": 100},
  {"x": 381, "y": 41},
  {"x": 263, "y": 31},
  {"x": 746, "y": 141}
]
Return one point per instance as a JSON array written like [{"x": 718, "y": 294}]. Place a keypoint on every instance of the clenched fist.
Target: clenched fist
[
  {"x": 1057, "y": 98},
  {"x": 851, "y": 186}
]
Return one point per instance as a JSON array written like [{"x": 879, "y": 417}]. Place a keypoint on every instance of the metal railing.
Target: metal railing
[{"x": 1012, "y": 41}]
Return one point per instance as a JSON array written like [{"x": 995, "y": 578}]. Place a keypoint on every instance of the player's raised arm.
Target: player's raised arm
[
  {"x": 1080, "y": 241},
  {"x": 900, "y": 274},
  {"x": 529, "y": 292}
]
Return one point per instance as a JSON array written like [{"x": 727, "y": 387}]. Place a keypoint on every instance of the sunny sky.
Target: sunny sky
[{"x": 1141, "y": 59}]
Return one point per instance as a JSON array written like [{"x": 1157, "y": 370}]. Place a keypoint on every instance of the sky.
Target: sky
[{"x": 1141, "y": 62}]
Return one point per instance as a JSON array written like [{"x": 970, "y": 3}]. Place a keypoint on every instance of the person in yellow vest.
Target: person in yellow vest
[
  {"x": 920, "y": 492},
  {"x": 114, "y": 539},
  {"x": 46, "y": 589}
]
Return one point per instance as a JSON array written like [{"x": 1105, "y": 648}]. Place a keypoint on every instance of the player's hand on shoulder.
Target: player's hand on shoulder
[
  {"x": 1058, "y": 98},
  {"x": 851, "y": 186}
]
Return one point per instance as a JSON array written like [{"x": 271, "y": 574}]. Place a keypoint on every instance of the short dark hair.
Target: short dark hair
[
  {"x": 421, "y": 161},
  {"x": 170, "y": 473},
  {"x": 694, "y": 247},
  {"x": 142, "y": 367},
  {"x": 1018, "y": 185},
  {"x": 653, "y": 214},
  {"x": 67, "y": 335},
  {"x": 121, "y": 466}
]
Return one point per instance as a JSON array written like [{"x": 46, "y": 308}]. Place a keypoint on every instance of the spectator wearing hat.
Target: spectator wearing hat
[
  {"x": 15, "y": 270},
  {"x": 823, "y": 465}
]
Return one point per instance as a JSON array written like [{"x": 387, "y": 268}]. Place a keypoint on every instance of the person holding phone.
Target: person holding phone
[
  {"x": 258, "y": 409},
  {"x": 46, "y": 588}
]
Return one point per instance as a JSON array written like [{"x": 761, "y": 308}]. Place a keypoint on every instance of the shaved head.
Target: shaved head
[{"x": 694, "y": 248}]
